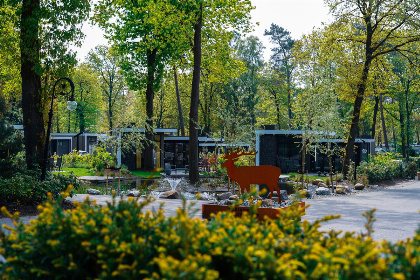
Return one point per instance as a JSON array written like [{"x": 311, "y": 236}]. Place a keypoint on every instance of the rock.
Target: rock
[
  {"x": 359, "y": 186},
  {"x": 170, "y": 195},
  {"x": 223, "y": 196},
  {"x": 322, "y": 185},
  {"x": 309, "y": 194},
  {"x": 133, "y": 193},
  {"x": 317, "y": 181},
  {"x": 288, "y": 186},
  {"x": 93, "y": 192},
  {"x": 226, "y": 202},
  {"x": 233, "y": 197},
  {"x": 342, "y": 189},
  {"x": 258, "y": 197},
  {"x": 323, "y": 191},
  {"x": 267, "y": 203},
  {"x": 283, "y": 195}
]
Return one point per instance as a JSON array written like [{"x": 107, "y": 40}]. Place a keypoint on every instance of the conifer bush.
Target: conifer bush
[{"x": 122, "y": 241}]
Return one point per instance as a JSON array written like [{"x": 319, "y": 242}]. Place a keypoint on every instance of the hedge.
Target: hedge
[{"x": 121, "y": 241}]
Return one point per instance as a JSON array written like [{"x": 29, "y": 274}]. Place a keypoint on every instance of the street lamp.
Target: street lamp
[{"x": 71, "y": 105}]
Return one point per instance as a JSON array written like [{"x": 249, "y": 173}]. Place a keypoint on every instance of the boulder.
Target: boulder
[
  {"x": 233, "y": 197},
  {"x": 226, "y": 202},
  {"x": 223, "y": 196},
  {"x": 288, "y": 186},
  {"x": 342, "y": 189},
  {"x": 323, "y": 191},
  {"x": 322, "y": 185},
  {"x": 359, "y": 186},
  {"x": 283, "y": 195},
  {"x": 133, "y": 193},
  {"x": 170, "y": 195},
  {"x": 93, "y": 192},
  {"x": 309, "y": 194},
  {"x": 317, "y": 181},
  {"x": 267, "y": 203}
]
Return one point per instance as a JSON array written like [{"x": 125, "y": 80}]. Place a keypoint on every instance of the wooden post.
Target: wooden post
[
  {"x": 307, "y": 179},
  {"x": 106, "y": 187},
  {"x": 332, "y": 183},
  {"x": 119, "y": 182}
]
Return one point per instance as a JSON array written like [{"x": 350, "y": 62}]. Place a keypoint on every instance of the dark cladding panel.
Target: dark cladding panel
[{"x": 268, "y": 149}]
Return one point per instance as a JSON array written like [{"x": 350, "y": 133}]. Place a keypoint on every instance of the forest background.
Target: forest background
[{"x": 357, "y": 75}]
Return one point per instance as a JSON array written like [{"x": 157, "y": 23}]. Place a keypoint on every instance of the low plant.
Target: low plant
[
  {"x": 27, "y": 189},
  {"x": 386, "y": 166},
  {"x": 121, "y": 240}
]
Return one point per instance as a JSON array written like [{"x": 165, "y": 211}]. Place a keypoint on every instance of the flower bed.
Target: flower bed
[{"x": 262, "y": 212}]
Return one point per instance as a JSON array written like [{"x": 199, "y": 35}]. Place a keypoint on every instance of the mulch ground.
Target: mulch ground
[{"x": 29, "y": 210}]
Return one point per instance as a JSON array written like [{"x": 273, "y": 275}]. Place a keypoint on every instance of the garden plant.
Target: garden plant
[{"x": 121, "y": 240}]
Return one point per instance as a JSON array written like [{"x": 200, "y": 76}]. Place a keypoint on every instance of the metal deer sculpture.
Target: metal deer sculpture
[{"x": 247, "y": 175}]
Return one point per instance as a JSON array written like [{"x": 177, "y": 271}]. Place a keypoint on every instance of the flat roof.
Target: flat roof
[{"x": 300, "y": 132}]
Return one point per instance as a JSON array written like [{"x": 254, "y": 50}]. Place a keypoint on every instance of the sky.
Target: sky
[{"x": 297, "y": 16}]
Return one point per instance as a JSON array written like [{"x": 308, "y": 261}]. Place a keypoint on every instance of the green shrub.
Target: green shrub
[
  {"x": 98, "y": 159},
  {"x": 26, "y": 188},
  {"x": 121, "y": 241},
  {"x": 386, "y": 166},
  {"x": 101, "y": 158}
]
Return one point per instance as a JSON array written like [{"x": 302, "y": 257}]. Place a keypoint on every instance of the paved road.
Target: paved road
[
  {"x": 397, "y": 215},
  {"x": 397, "y": 211}
]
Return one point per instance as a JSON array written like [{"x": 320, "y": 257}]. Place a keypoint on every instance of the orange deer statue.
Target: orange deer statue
[{"x": 247, "y": 175}]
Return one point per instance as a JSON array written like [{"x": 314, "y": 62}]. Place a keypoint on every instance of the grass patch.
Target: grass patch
[
  {"x": 77, "y": 171},
  {"x": 145, "y": 174}
]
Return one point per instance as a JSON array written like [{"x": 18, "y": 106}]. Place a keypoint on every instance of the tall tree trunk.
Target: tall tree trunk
[
  {"x": 178, "y": 99},
  {"x": 375, "y": 113},
  {"x": 33, "y": 119},
  {"x": 149, "y": 146},
  {"x": 381, "y": 108},
  {"x": 276, "y": 102},
  {"x": 402, "y": 130},
  {"x": 110, "y": 112},
  {"x": 194, "y": 175},
  {"x": 358, "y": 101},
  {"x": 289, "y": 101},
  {"x": 407, "y": 114}
]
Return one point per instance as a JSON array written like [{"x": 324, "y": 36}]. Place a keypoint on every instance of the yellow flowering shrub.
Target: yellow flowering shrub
[{"x": 122, "y": 241}]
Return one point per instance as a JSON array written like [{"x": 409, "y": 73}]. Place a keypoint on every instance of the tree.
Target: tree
[
  {"x": 250, "y": 52},
  {"x": 146, "y": 34},
  {"x": 46, "y": 30},
  {"x": 88, "y": 94},
  {"x": 281, "y": 58},
  {"x": 104, "y": 62},
  {"x": 405, "y": 89},
  {"x": 10, "y": 143},
  {"x": 376, "y": 27}
]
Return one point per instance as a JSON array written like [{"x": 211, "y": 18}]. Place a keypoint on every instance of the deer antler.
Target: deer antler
[{"x": 238, "y": 153}]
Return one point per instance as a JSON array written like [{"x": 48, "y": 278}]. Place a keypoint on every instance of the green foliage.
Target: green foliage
[
  {"x": 101, "y": 158},
  {"x": 26, "y": 188},
  {"x": 122, "y": 241},
  {"x": 10, "y": 143},
  {"x": 98, "y": 159},
  {"x": 385, "y": 166}
]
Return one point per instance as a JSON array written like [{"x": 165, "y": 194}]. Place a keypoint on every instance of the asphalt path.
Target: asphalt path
[{"x": 397, "y": 210}]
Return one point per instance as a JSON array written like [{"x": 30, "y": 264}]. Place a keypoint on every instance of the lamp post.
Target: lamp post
[{"x": 71, "y": 105}]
